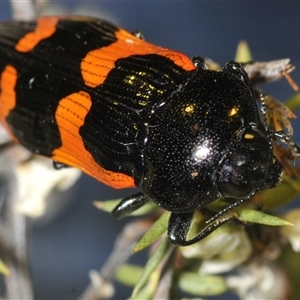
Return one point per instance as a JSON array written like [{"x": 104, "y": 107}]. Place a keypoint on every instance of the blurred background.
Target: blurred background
[{"x": 78, "y": 238}]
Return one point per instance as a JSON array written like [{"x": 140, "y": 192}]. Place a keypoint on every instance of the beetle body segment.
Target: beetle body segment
[{"x": 98, "y": 90}]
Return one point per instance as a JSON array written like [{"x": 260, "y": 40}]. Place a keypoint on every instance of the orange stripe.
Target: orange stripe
[
  {"x": 8, "y": 82},
  {"x": 45, "y": 28},
  {"x": 70, "y": 115},
  {"x": 98, "y": 63}
]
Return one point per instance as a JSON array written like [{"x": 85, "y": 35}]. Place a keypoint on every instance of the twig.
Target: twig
[
  {"x": 263, "y": 72},
  {"x": 121, "y": 252},
  {"x": 13, "y": 235},
  {"x": 14, "y": 227},
  {"x": 27, "y": 10}
]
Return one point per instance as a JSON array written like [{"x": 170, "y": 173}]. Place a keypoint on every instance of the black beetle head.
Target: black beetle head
[
  {"x": 208, "y": 141},
  {"x": 248, "y": 166}
]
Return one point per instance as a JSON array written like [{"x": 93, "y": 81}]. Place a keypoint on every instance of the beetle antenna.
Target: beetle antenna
[
  {"x": 264, "y": 113},
  {"x": 230, "y": 207}
]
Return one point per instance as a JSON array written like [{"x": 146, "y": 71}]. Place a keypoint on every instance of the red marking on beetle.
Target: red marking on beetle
[
  {"x": 70, "y": 115},
  {"x": 98, "y": 63},
  {"x": 45, "y": 28}
]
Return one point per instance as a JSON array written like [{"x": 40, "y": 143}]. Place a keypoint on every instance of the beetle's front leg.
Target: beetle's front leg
[
  {"x": 180, "y": 224},
  {"x": 129, "y": 205},
  {"x": 286, "y": 138}
]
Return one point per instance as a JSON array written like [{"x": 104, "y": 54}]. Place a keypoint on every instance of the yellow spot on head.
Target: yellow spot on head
[
  {"x": 233, "y": 111},
  {"x": 249, "y": 136},
  {"x": 189, "y": 109}
]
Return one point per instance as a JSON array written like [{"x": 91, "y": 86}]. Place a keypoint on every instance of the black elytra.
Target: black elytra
[{"x": 207, "y": 142}]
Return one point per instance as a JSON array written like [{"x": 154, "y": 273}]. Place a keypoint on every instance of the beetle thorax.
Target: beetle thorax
[{"x": 190, "y": 137}]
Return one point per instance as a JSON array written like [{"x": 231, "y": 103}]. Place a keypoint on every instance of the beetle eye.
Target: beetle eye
[{"x": 232, "y": 180}]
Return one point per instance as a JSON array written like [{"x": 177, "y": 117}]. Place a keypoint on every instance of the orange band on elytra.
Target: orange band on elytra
[
  {"x": 70, "y": 115},
  {"x": 45, "y": 28},
  {"x": 98, "y": 63},
  {"x": 8, "y": 81}
]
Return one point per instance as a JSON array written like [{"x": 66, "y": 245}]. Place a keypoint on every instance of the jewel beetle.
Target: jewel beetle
[{"x": 91, "y": 95}]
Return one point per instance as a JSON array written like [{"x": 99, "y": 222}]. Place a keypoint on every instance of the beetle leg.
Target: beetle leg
[
  {"x": 199, "y": 62},
  {"x": 58, "y": 166},
  {"x": 286, "y": 138},
  {"x": 138, "y": 34},
  {"x": 129, "y": 204},
  {"x": 180, "y": 224},
  {"x": 281, "y": 135}
]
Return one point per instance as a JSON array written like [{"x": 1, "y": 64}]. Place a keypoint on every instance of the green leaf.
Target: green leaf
[
  {"x": 152, "y": 264},
  {"x": 155, "y": 232},
  {"x": 144, "y": 294},
  {"x": 294, "y": 102},
  {"x": 259, "y": 217},
  {"x": 284, "y": 193},
  {"x": 243, "y": 53},
  {"x": 290, "y": 261},
  {"x": 129, "y": 274},
  {"x": 201, "y": 285},
  {"x": 3, "y": 269}
]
